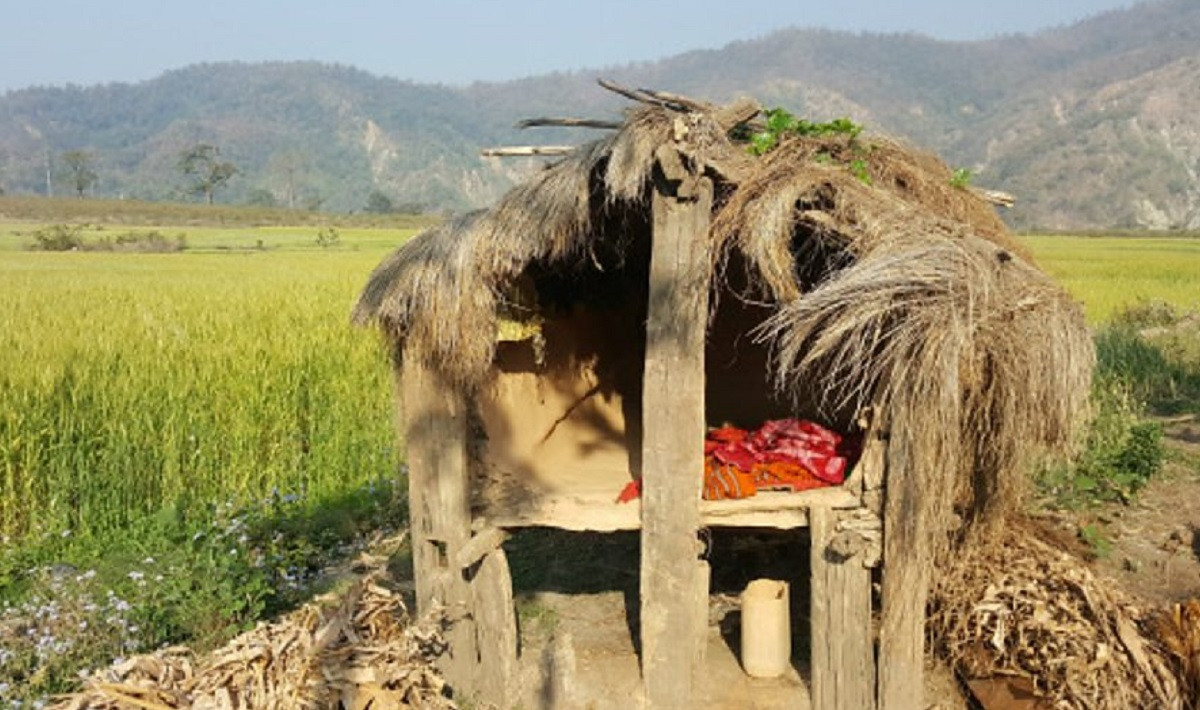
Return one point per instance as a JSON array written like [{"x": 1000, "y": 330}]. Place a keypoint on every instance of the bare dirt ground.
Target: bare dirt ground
[
  {"x": 1155, "y": 541},
  {"x": 578, "y": 618}
]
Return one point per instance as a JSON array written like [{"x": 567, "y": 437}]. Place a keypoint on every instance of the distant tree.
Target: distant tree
[
  {"x": 261, "y": 197},
  {"x": 290, "y": 168},
  {"x": 379, "y": 203},
  {"x": 202, "y": 164},
  {"x": 78, "y": 167}
]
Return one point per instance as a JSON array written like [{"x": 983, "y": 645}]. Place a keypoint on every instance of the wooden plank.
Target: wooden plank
[
  {"x": 597, "y": 512},
  {"x": 699, "y": 606},
  {"x": 673, "y": 442},
  {"x": 873, "y": 466},
  {"x": 843, "y": 653},
  {"x": 568, "y": 122},
  {"x": 439, "y": 509},
  {"x": 495, "y": 630}
]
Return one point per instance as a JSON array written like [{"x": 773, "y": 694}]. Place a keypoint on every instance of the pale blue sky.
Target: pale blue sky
[{"x": 451, "y": 41}]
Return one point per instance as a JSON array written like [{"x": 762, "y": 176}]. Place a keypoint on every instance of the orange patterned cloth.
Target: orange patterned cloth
[{"x": 783, "y": 454}]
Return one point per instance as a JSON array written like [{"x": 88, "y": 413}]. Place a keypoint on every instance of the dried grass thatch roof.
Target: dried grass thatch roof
[
  {"x": 906, "y": 294},
  {"x": 357, "y": 649}
]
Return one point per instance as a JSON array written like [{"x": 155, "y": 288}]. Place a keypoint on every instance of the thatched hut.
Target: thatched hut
[{"x": 589, "y": 328}]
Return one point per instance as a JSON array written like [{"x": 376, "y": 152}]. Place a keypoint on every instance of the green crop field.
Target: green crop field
[
  {"x": 192, "y": 434},
  {"x": 130, "y": 382},
  {"x": 1111, "y": 273}
]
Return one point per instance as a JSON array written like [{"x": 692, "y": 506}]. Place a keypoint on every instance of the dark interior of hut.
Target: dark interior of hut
[{"x": 564, "y": 403}]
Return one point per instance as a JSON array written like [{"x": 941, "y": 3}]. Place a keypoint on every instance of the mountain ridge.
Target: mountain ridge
[{"x": 1094, "y": 125}]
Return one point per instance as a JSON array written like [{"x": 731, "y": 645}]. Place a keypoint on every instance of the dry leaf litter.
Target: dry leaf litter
[
  {"x": 1022, "y": 609},
  {"x": 356, "y": 649}
]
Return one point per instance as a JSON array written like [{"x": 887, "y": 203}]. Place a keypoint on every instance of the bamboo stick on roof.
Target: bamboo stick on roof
[{"x": 527, "y": 150}]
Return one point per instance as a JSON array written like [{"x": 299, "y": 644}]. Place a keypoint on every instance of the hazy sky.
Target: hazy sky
[{"x": 451, "y": 41}]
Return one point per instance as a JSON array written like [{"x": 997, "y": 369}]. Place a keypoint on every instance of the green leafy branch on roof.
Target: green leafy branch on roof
[{"x": 781, "y": 123}]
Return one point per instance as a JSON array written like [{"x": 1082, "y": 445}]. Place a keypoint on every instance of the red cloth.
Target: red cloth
[
  {"x": 631, "y": 491},
  {"x": 782, "y": 454},
  {"x": 781, "y": 440}
]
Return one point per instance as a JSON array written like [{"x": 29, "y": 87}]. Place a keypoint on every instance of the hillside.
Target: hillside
[{"x": 1096, "y": 125}]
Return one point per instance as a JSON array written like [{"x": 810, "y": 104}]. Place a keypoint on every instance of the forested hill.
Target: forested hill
[{"x": 1096, "y": 125}]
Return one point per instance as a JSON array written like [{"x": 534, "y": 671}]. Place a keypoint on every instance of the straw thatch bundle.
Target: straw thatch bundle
[
  {"x": 357, "y": 649},
  {"x": 1031, "y": 613},
  {"x": 906, "y": 295}
]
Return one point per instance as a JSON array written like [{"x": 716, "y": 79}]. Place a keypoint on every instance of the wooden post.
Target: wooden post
[
  {"x": 843, "y": 654},
  {"x": 672, "y": 572},
  {"x": 440, "y": 511},
  {"x": 905, "y": 588},
  {"x": 495, "y": 629}
]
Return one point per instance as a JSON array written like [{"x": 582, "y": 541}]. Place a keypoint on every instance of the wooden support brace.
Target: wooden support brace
[
  {"x": 843, "y": 651},
  {"x": 674, "y": 591},
  {"x": 479, "y": 546}
]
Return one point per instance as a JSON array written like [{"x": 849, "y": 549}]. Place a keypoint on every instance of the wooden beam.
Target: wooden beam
[
  {"x": 598, "y": 512},
  {"x": 435, "y": 432},
  {"x": 996, "y": 197},
  {"x": 843, "y": 652},
  {"x": 674, "y": 102},
  {"x": 527, "y": 150},
  {"x": 672, "y": 572}
]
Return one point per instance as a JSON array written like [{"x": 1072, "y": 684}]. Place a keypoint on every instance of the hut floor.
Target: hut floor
[{"x": 588, "y": 661}]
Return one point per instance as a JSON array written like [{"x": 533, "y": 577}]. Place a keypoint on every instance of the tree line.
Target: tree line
[{"x": 204, "y": 172}]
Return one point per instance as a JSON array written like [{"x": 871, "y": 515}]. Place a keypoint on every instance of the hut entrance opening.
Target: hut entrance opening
[{"x": 559, "y": 421}]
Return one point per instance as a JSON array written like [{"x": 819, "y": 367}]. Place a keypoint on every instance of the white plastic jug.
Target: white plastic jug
[{"x": 766, "y": 628}]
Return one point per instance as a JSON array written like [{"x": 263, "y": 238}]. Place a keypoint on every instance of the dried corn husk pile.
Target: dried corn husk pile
[
  {"x": 358, "y": 648},
  {"x": 1179, "y": 629},
  {"x": 1017, "y": 607}
]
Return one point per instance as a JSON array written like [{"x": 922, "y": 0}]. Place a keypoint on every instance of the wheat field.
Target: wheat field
[{"x": 133, "y": 383}]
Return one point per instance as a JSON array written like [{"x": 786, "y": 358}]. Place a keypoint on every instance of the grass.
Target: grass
[
  {"x": 130, "y": 382},
  {"x": 1140, "y": 294},
  {"x": 1108, "y": 274},
  {"x": 211, "y": 411}
]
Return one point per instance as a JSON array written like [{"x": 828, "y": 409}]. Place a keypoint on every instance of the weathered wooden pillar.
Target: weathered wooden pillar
[
  {"x": 843, "y": 652},
  {"x": 673, "y": 577},
  {"x": 435, "y": 433},
  {"x": 906, "y": 577},
  {"x": 495, "y": 630}
]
